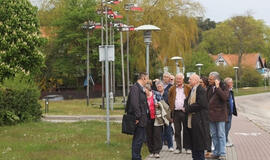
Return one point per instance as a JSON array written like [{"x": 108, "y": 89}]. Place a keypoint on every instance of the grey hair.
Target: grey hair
[
  {"x": 214, "y": 74},
  {"x": 166, "y": 74},
  {"x": 181, "y": 75},
  {"x": 148, "y": 86},
  {"x": 159, "y": 82},
  {"x": 197, "y": 77},
  {"x": 227, "y": 80}
]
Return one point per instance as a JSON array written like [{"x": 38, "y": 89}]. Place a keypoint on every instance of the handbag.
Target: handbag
[
  {"x": 128, "y": 120},
  {"x": 128, "y": 124}
]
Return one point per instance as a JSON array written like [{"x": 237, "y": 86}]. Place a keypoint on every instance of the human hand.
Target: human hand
[
  {"x": 137, "y": 121},
  {"x": 217, "y": 82}
]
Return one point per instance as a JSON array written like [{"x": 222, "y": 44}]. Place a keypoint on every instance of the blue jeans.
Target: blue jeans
[
  {"x": 137, "y": 142},
  {"x": 217, "y": 131},
  {"x": 167, "y": 135},
  {"x": 228, "y": 126}
]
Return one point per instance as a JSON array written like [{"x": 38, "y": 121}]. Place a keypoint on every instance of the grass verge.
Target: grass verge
[
  {"x": 79, "y": 107},
  {"x": 68, "y": 141}
]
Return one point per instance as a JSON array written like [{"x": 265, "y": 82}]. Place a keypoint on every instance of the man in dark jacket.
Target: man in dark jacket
[
  {"x": 217, "y": 95},
  {"x": 137, "y": 102},
  {"x": 195, "y": 107},
  {"x": 231, "y": 109}
]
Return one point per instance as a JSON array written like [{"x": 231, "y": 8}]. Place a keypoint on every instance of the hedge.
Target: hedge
[{"x": 19, "y": 102}]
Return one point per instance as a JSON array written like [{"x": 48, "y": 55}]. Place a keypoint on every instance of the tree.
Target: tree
[
  {"x": 178, "y": 32},
  {"x": 19, "y": 39},
  {"x": 204, "y": 25},
  {"x": 218, "y": 40},
  {"x": 66, "y": 50},
  {"x": 239, "y": 34},
  {"x": 248, "y": 34}
]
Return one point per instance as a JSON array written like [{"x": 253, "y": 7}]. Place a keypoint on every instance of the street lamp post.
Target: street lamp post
[
  {"x": 177, "y": 59},
  {"x": 199, "y": 65},
  {"x": 147, "y": 40},
  {"x": 88, "y": 25},
  {"x": 236, "y": 74}
]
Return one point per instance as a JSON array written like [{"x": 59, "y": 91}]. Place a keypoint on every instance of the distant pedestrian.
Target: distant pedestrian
[
  {"x": 231, "y": 109},
  {"x": 153, "y": 131},
  {"x": 195, "y": 107},
  {"x": 168, "y": 130},
  {"x": 137, "y": 102},
  {"x": 217, "y": 95},
  {"x": 177, "y": 96},
  {"x": 204, "y": 83}
]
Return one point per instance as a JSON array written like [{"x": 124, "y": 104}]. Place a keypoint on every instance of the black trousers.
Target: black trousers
[
  {"x": 198, "y": 155},
  {"x": 179, "y": 120},
  {"x": 154, "y": 137},
  {"x": 137, "y": 142}
]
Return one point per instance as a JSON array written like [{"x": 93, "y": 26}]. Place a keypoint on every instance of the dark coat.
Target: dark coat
[
  {"x": 166, "y": 93},
  {"x": 198, "y": 138},
  {"x": 138, "y": 106},
  {"x": 228, "y": 104},
  {"x": 217, "y": 103}
]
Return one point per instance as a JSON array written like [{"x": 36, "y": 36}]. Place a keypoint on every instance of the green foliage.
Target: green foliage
[
  {"x": 19, "y": 101},
  {"x": 19, "y": 38},
  {"x": 199, "y": 57},
  {"x": 238, "y": 34},
  {"x": 66, "y": 49},
  {"x": 250, "y": 78}
]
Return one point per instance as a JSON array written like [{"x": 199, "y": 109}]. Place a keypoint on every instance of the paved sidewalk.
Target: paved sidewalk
[
  {"x": 250, "y": 141},
  {"x": 166, "y": 155}
]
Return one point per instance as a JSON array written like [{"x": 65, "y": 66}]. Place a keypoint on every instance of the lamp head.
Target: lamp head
[
  {"x": 199, "y": 65},
  {"x": 176, "y": 58}
]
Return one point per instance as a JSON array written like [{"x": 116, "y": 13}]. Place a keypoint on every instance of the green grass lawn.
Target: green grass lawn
[
  {"x": 251, "y": 90},
  {"x": 79, "y": 107},
  {"x": 64, "y": 141}
]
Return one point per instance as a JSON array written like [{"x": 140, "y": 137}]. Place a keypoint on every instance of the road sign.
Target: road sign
[{"x": 110, "y": 53}]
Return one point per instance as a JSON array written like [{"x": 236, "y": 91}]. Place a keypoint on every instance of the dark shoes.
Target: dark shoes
[{"x": 211, "y": 156}]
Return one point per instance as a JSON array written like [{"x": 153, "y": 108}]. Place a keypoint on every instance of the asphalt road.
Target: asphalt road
[{"x": 257, "y": 108}]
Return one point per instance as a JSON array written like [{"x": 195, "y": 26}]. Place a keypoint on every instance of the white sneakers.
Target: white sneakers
[
  {"x": 154, "y": 155},
  {"x": 177, "y": 151},
  {"x": 228, "y": 144},
  {"x": 171, "y": 149},
  {"x": 188, "y": 151},
  {"x": 157, "y": 155}
]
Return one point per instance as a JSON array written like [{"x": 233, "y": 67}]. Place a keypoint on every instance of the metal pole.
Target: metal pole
[
  {"x": 199, "y": 71},
  {"x": 123, "y": 69},
  {"x": 87, "y": 63},
  {"x": 236, "y": 83},
  {"x": 111, "y": 72},
  {"x": 147, "y": 58},
  {"x": 177, "y": 67},
  {"x": 107, "y": 77},
  {"x": 102, "y": 43},
  {"x": 127, "y": 57}
]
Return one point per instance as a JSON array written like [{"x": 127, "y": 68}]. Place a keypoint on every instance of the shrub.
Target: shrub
[
  {"x": 19, "y": 101},
  {"x": 250, "y": 78}
]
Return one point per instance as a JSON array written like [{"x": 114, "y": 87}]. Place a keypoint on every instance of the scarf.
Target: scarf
[{"x": 191, "y": 100}]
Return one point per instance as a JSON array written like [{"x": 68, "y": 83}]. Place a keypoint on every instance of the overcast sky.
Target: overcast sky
[{"x": 220, "y": 10}]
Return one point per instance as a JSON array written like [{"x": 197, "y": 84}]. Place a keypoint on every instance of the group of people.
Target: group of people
[{"x": 197, "y": 114}]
